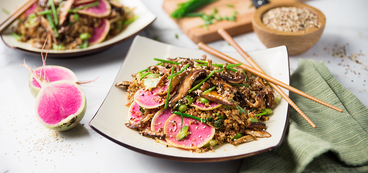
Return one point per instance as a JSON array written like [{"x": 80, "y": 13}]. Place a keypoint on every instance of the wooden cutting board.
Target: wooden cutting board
[{"x": 190, "y": 25}]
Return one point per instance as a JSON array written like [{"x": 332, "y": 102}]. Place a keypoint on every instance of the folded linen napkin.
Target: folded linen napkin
[{"x": 340, "y": 141}]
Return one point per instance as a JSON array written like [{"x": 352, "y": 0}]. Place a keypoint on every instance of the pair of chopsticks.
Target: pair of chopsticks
[
  {"x": 258, "y": 71},
  {"x": 4, "y": 24}
]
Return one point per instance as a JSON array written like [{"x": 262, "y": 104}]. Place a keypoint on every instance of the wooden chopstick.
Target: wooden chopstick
[
  {"x": 16, "y": 14},
  {"x": 233, "y": 43},
  {"x": 264, "y": 76}
]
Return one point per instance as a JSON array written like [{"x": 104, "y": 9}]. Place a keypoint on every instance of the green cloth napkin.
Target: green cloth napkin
[{"x": 340, "y": 141}]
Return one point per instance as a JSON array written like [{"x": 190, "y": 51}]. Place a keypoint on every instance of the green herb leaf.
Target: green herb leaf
[
  {"x": 183, "y": 133},
  {"x": 188, "y": 7},
  {"x": 141, "y": 109}
]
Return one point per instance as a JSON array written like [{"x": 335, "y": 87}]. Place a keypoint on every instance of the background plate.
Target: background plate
[
  {"x": 113, "y": 114},
  {"x": 145, "y": 17}
]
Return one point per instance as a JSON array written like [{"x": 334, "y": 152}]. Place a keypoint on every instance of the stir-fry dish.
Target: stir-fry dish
[
  {"x": 196, "y": 104},
  {"x": 72, "y": 24}
]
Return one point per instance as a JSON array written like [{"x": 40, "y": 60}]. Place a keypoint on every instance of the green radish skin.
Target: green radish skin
[
  {"x": 53, "y": 73},
  {"x": 60, "y": 105}
]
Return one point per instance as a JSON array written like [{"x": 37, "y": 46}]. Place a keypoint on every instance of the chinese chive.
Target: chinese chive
[
  {"x": 209, "y": 90},
  {"x": 246, "y": 78},
  {"x": 201, "y": 64},
  {"x": 129, "y": 21},
  {"x": 143, "y": 70},
  {"x": 145, "y": 75},
  {"x": 265, "y": 112},
  {"x": 200, "y": 61},
  {"x": 166, "y": 61},
  {"x": 51, "y": 2},
  {"x": 96, "y": 3},
  {"x": 52, "y": 25},
  {"x": 44, "y": 12},
  {"x": 168, "y": 91},
  {"x": 194, "y": 14},
  {"x": 237, "y": 136},
  {"x": 239, "y": 84},
  {"x": 253, "y": 120},
  {"x": 190, "y": 116},
  {"x": 200, "y": 83},
  {"x": 171, "y": 76},
  {"x": 16, "y": 36}
]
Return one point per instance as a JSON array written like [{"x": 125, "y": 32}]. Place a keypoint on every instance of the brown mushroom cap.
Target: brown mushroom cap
[
  {"x": 215, "y": 97},
  {"x": 185, "y": 85}
]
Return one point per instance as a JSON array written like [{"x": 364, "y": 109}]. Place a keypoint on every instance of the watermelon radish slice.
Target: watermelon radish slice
[
  {"x": 148, "y": 99},
  {"x": 201, "y": 106},
  {"x": 30, "y": 10},
  {"x": 102, "y": 10},
  {"x": 158, "y": 121},
  {"x": 51, "y": 73},
  {"x": 60, "y": 105},
  {"x": 99, "y": 34},
  {"x": 162, "y": 89},
  {"x": 134, "y": 114},
  {"x": 199, "y": 134}
]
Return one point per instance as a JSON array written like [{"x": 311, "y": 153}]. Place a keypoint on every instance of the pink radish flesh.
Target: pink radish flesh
[
  {"x": 158, "y": 121},
  {"x": 53, "y": 74},
  {"x": 58, "y": 102},
  {"x": 101, "y": 8},
  {"x": 199, "y": 134},
  {"x": 30, "y": 10},
  {"x": 135, "y": 115},
  {"x": 148, "y": 99}
]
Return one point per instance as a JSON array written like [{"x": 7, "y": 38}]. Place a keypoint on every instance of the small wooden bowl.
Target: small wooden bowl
[{"x": 296, "y": 42}]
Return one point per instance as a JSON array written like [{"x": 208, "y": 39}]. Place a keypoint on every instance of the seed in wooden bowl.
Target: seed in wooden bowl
[{"x": 290, "y": 19}]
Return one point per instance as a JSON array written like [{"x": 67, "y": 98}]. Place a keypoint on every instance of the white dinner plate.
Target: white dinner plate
[
  {"x": 113, "y": 114},
  {"x": 145, "y": 17}
]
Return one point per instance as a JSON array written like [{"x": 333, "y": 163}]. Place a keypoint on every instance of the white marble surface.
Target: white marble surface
[{"x": 26, "y": 146}]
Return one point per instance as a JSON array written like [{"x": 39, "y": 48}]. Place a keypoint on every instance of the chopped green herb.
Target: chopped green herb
[
  {"x": 239, "y": 84},
  {"x": 237, "y": 136},
  {"x": 212, "y": 143},
  {"x": 246, "y": 78},
  {"x": 253, "y": 120},
  {"x": 51, "y": 2},
  {"x": 194, "y": 15},
  {"x": 173, "y": 75},
  {"x": 145, "y": 75},
  {"x": 209, "y": 90},
  {"x": 188, "y": 7},
  {"x": 202, "y": 120},
  {"x": 169, "y": 90},
  {"x": 141, "y": 109},
  {"x": 265, "y": 112},
  {"x": 85, "y": 36},
  {"x": 241, "y": 110},
  {"x": 176, "y": 36},
  {"x": 230, "y": 5},
  {"x": 200, "y": 83},
  {"x": 200, "y": 61},
  {"x": 96, "y": 3},
  {"x": 44, "y": 12},
  {"x": 182, "y": 133},
  {"x": 129, "y": 21},
  {"x": 143, "y": 70},
  {"x": 204, "y": 100},
  {"x": 58, "y": 47},
  {"x": 52, "y": 25},
  {"x": 189, "y": 99},
  {"x": 76, "y": 17},
  {"x": 16, "y": 36},
  {"x": 166, "y": 61},
  {"x": 5, "y": 11},
  {"x": 32, "y": 16}
]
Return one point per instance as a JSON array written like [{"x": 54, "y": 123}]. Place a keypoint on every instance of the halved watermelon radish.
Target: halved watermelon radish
[
  {"x": 158, "y": 121},
  {"x": 99, "y": 34},
  {"x": 102, "y": 10},
  {"x": 199, "y": 134},
  {"x": 134, "y": 114},
  {"x": 60, "y": 105},
  {"x": 201, "y": 106},
  {"x": 148, "y": 99},
  {"x": 51, "y": 73}
]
